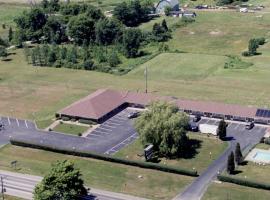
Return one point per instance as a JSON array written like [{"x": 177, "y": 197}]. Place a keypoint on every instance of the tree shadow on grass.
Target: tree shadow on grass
[
  {"x": 7, "y": 59},
  {"x": 192, "y": 151},
  {"x": 235, "y": 172}
]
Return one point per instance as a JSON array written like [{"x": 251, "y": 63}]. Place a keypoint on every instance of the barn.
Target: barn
[{"x": 162, "y": 4}]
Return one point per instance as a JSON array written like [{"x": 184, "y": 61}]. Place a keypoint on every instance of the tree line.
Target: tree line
[{"x": 81, "y": 25}]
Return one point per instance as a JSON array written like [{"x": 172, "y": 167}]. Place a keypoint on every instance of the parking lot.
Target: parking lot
[
  {"x": 118, "y": 132},
  {"x": 14, "y": 123},
  {"x": 236, "y": 128}
]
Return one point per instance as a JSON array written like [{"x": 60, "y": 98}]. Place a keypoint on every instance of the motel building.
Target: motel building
[{"x": 104, "y": 103}]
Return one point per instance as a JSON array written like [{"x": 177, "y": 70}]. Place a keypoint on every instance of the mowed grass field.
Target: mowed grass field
[
  {"x": 227, "y": 191},
  {"x": 99, "y": 174},
  {"x": 200, "y": 160},
  {"x": 37, "y": 93}
]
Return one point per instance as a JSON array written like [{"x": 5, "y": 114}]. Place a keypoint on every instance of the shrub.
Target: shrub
[
  {"x": 262, "y": 140},
  {"x": 79, "y": 134},
  {"x": 88, "y": 154},
  {"x": 64, "y": 118},
  {"x": 260, "y": 41},
  {"x": 86, "y": 121},
  {"x": 246, "y": 54},
  {"x": 267, "y": 141},
  {"x": 244, "y": 182}
]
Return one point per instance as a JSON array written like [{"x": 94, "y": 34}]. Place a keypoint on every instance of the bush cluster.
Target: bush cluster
[
  {"x": 253, "y": 45},
  {"x": 159, "y": 167}
]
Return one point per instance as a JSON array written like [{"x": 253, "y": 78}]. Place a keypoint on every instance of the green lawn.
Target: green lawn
[
  {"x": 180, "y": 66},
  {"x": 99, "y": 174},
  {"x": 71, "y": 129},
  {"x": 11, "y": 197},
  {"x": 227, "y": 191},
  {"x": 200, "y": 160}
]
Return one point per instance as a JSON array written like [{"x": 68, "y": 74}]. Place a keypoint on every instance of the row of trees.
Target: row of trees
[
  {"x": 233, "y": 158},
  {"x": 75, "y": 57}
]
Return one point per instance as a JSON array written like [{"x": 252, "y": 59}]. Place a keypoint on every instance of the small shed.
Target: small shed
[{"x": 162, "y": 4}]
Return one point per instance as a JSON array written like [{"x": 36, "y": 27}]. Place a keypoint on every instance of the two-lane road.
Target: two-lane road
[{"x": 22, "y": 185}]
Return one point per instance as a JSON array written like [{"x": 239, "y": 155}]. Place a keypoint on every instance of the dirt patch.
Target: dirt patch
[{"x": 216, "y": 33}]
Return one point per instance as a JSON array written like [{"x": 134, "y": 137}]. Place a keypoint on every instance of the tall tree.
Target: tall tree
[
  {"x": 238, "y": 154},
  {"x": 131, "y": 42},
  {"x": 222, "y": 129},
  {"x": 230, "y": 163},
  {"x": 81, "y": 28},
  {"x": 165, "y": 127},
  {"x": 63, "y": 182},
  {"x": 32, "y": 23},
  {"x": 10, "y": 34},
  {"x": 107, "y": 31}
]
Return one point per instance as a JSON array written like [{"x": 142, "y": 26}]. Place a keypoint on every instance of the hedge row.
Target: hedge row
[
  {"x": 244, "y": 182},
  {"x": 86, "y": 121},
  {"x": 89, "y": 154}
]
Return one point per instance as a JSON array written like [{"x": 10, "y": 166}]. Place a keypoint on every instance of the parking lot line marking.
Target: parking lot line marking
[
  {"x": 25, "y": 123},
  {"x": 109, "y": 126},
  {"x": 116, "y": 124},
  {"x": 121, "y": 142},
  {"x": 17, "y": 122},
  {"x": 106, "y": 129},
  {"x": 101, "y": 132},
  {"x": 9, "y": 121},
  {"x": 93, "y": 134},
  {"x": 236, "y": 127}
]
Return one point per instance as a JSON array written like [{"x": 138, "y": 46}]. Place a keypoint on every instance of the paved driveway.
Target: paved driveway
[{"x": 237, "y": 133}]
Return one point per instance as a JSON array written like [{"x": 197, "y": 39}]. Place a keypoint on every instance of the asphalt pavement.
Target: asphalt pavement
[
  {"x": 109, "y": 137},
  {"x": 22, "y": 185},
  {"x": 236, "y": 132}
]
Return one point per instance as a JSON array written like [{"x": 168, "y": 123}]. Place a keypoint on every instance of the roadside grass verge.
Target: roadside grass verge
[
  {"x": 70, "y": 129},
  {"x": 222, "y": 191},
  {"x": 200, "y": 158},
  {"x": 99, "y": 174}
]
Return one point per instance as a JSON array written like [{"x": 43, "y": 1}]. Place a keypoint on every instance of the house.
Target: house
[{"x": 162, "y": 4}]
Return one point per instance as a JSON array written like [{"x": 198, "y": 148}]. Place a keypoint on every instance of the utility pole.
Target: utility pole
[
  {"x": 146, "y": 74},
  {"x": 2, "y": 188}
]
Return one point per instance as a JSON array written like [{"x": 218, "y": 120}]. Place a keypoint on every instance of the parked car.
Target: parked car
[
  {"x": 197, "y": 118},
  {"x": 250, "y": 125},
  {"x": 193, "y": 126},
  {"x": 133, "y": 114}
]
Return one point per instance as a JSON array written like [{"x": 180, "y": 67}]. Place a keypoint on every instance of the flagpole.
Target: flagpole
[{"x": 146, "y": 73}]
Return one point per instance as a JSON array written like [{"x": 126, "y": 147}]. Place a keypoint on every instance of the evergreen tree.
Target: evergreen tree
[
  {"x": 230, "y": 163},
  {"x": 164, "y": 25},
  {"x": 33, "y": 57},
  {"x": 3, "y": 52},
  {"x": 253, "y": 46},
  {"x": 10, "y": 34},
  {"x": 26, "y": 53},
  {"x": 45, "y": 54},
  {"x": 39, "y": 57},
  {"x": 238, "y": 154},
  {"x": 88, "y": 64},
  {"x": 113, "y": 59},
  {"x": 131, "y": 42},
  {"x": 63, "y": 53},
  {"x": 52, "y": 57},
  {"x": 222, "y": 129}
]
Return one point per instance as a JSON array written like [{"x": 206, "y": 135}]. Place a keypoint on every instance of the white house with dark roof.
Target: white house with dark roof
[{"x": 162, "y": 4}]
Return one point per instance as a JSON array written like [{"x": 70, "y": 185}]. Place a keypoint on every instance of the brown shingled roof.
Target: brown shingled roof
[
  {"x": 103, "y": 101},
  {"x": 95, "y": 105}
]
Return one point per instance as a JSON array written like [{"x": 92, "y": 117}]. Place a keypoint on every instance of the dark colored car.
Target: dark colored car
[
  {"x": 199, "y": 7},
  {"x": 250, "y": 125},
  {"x": 193, "y": 126},
  {"x": 197, "y": 118},
  {"x": 133, "y": 115}
]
